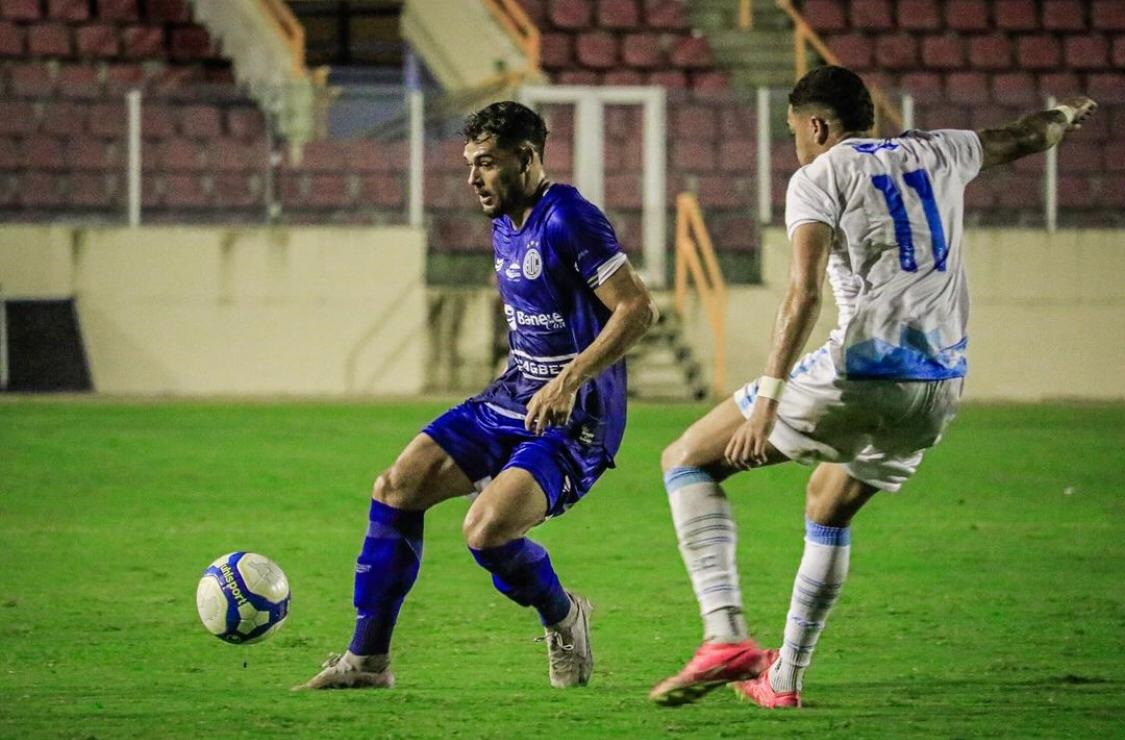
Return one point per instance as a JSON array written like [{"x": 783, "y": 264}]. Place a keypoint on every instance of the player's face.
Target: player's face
[
  {"x": 494, "y": 176},
  {"x": 803, "y": 129},
  {"x": 798, "y": 128}
]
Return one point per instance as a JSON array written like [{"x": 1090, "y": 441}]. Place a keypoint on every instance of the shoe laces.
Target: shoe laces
[{"x": 560, "y": 654}]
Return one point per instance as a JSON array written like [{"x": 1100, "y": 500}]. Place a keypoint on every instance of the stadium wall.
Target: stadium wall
[
  {"x": 247, "y": 311},
  {"x": 1047, "y": 318}
]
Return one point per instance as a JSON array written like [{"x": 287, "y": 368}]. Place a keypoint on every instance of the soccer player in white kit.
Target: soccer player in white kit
[{"x": 883, "y": 219}]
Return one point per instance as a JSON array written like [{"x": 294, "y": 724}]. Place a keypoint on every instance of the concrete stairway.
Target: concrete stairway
[
  {"x": 663, "y": 366},
  {"x": 761, "y": 55}
]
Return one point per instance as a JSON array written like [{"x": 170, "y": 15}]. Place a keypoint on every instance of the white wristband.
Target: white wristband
[
  {"x": 770, "y": 387},
  {"x": 1069, "y": 111}
]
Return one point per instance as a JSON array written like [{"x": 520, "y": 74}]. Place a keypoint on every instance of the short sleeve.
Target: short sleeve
[
  {"x": 962, "y": 150},
  {"x": 808, "y": 201},
  {"x": 583, "y": 236}
]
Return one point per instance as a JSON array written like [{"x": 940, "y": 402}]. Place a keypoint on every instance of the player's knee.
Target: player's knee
[
  {"x": 482, "y": 529},
  {"x": 674, "y": 455},
  {"x": 392, "y": 489}
]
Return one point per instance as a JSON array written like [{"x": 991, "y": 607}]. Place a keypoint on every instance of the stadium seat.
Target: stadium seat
[{"x": 68, "y": 10}]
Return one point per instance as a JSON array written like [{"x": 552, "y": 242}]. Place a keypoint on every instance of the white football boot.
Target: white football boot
[
  {"x": 569, "y": 656},
  {"x": 350, "y": 671}
]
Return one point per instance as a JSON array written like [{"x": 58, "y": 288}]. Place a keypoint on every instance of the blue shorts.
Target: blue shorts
[{"x": 484, "y": 440}]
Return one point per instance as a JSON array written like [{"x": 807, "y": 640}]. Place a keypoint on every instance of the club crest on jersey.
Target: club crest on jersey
[{"x": 532, "y": 262}]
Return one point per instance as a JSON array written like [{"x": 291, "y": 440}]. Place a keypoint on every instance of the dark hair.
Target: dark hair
[
  {"x": 839, "y": 89},
  {"x": 509, "y": 124}
]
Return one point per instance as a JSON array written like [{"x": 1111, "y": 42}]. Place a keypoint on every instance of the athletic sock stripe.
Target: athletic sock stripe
[{"x": 677, "y": 478}]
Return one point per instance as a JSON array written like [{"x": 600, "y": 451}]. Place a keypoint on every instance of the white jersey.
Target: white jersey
[{"x": 896, "y": 265}]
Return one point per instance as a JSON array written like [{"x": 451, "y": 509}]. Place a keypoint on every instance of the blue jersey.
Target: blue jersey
[{"x": 546, "y": 273}]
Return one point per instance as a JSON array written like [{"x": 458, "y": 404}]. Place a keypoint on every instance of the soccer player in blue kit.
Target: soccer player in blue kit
[{"x": 536, "y": 439}]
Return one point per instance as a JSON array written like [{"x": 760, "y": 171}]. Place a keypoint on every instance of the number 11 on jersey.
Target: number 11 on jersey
[{"x": 919, "y": 182}]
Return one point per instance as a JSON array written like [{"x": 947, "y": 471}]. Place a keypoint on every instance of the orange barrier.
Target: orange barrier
[
  {"x": 804, "y": 36},
  {"x": 745, "y": 14},
  {"x": 512, "y": 17},
  {"x": 695, "y": 259},
  {"x": 290, "y": 30}
]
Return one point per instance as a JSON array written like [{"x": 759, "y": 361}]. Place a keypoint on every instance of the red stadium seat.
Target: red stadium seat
[
  {"x": 691, "y": 52},
  {"x": 1016, "y": 15},
  {"x": 13, "y": 40},
  {"x": 93, "y": 154},
  {"x": 238, "y": 190},
  {"x": 143, "y": 42},
  {"x": 68, "y": 10},
  {"x": 97, "y": 40},
  {"x": 17, "y": 117},
  {"x": 556, "y": 50},
  {"x": 571, "y": 14},
  {"x": 669, "y": 15},
  {"x": 825, "y": 15},
  {"x": 168, "y": 11},
  {"x": 383, "y": 191},
  {"x": 596, "y": 49},
  {"x": 201, "y": 121},
  {"x": 118, "y": 10},
  {"x": 43, "y": 153},
  {"x": 642, "y": 50},
  {"x": 48, "y": 40},
  {"x": 64, "y": 118},
  {"x": 871, "y": 15},
  {"x": 41, "y": 190},
  {"x": 919, "y": 15},
  {"x": 23, "y": 10},
  {"x": 10, "y": 158},
  {"x": 185, "y": 191},
  {"x": 1064, "y": 15},
  {"x": 93, "y": 190},
  {"x": 619, "y": 15}
]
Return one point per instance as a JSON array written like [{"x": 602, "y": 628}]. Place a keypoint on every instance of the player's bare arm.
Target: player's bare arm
[
  {"x": 1034, "y": 133},
  {"x": 633, "y": 312},
  {"x": 796, "y": 317}
]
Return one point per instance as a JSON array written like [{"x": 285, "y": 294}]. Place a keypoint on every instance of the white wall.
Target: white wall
[
  {"x": 1047, "y": 317},
  {"x": 256, "y": 311}
]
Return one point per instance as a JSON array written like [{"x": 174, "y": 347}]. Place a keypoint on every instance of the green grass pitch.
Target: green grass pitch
[{"x": 986, "y": 599}]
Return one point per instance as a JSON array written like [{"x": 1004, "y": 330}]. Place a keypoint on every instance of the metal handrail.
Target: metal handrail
[
  {"x": 695, "y": 259},
  {"x": 745, "y": 14},
  {"x": 515, "y": 21},
  {"x": 804, "y": 36}
]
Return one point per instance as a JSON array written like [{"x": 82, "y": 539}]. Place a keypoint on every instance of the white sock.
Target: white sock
[
  {"x": 706, "y": 534},
  {"x": 824, "y": 566}
]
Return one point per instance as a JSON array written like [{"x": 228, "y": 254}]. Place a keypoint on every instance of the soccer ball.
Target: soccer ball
[{"x": 242, "y": 597}]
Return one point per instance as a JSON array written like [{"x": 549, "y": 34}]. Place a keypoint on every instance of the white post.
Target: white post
[
  {"x": 654, "y": 187},
  {"x": 907, "y": 112},
  {"x": 133, "y": 108},
  {"x": 1051, "y": 182},
  {"x": 589, "y": 142},
  {"x": 765, "y": 186},
  {"x": 416, "y": 101}
]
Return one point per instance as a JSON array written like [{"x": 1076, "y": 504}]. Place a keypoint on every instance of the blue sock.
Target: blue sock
[
  {"x": 521, "y": 570},
  {"x": 385, "y": 570}
]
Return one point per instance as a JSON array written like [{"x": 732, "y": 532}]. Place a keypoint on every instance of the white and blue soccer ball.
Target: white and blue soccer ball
[{"x": 243, "y": 597}]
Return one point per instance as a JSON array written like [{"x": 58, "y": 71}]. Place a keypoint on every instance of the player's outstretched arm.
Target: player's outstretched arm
[
  {"x": 1034, "y": 133},
  {"x": 811, "y": 244},
  {"x": 633, "y": 312}
]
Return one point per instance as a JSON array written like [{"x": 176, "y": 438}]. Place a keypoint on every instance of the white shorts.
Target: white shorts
[{"x": 877, "y": 429}]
